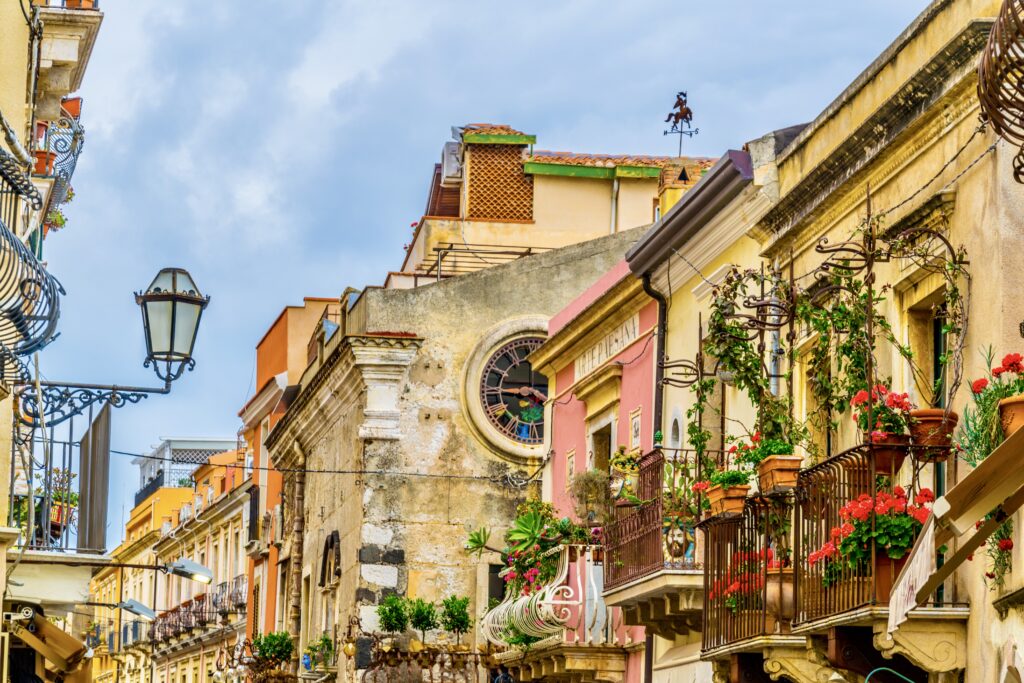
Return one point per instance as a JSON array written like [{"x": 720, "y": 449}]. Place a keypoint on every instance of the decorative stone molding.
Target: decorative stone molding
[
  {"x": 383, "y": 367},
  {"x": 935, "y": 645},
  {"x": 571, "y": 664},
  {"x": 802, "y": 665}
]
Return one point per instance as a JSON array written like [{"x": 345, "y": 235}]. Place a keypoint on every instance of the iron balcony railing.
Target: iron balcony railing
[
  {"x": 219, "y": 600},
  {"x": 658, "y": 533},
  {"x": 828, "y": 581},
  {"x": 748, "y": 580},
  {"x": 568, "y": 609},
  {"x": 64, "y": 140},
  {"x": 239, "y": 588}
]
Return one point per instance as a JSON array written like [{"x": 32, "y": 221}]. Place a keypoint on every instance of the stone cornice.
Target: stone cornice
[
  {"x": 951, "y": 66},
  {"x": 613, "y": 307},
  {"x": 325, "y": 370}
]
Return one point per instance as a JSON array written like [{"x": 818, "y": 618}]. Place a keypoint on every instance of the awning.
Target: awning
[
  {"x": 996, "y": 486},
  {"x": 63, "y": 651}
]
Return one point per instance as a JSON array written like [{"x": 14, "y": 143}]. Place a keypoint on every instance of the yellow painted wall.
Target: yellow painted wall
[{"x": 14, "y": 36}]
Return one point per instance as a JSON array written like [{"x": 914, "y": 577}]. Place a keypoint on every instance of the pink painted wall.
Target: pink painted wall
[{"x": 569, "y": 428}]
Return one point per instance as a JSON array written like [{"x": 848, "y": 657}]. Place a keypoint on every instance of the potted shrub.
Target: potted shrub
[
  {"x": 319, "y": 653},
  {"x": 882, "y": 417},
  {"x": 64, "y": 500},
  {"x": 393, "y": 613},
  {"x": 270, "y": 651},
  {"x": 423, "y": 618},
  {"x": 888, "y": 523},
  {"x": 455, "y": 617},
  {"x": 728, "y": 491},
  {"x": 625, "y": 475},
  {"x": 591, "y": 494}
]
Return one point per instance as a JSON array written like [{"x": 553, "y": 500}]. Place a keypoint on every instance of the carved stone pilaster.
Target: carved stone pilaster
[
  {"x": 936, "y": 645},
  {"x": 382, "y": 364},
  {"x": 802, "y": 665}
]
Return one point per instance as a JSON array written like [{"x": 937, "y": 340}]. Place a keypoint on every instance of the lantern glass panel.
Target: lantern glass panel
[
  {"x": 159, "y": 316},
  {"x": 185, "y": 322}
]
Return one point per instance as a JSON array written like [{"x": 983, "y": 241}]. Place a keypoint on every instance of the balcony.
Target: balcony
[
  {"x": 70, "y": 28},
  {"x": 238, "y": 596},
  {"x": 575, "y": 635},
  {"x": 846, "y": 596},
  {"x": 135, "y": 634},
  {"x": 653, "y": 572},
  {"x": 219, "y": 600},
  {"x": 56, "y": 157}
]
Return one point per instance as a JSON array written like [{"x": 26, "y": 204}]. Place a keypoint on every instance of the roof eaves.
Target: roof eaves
[{"x": 720, "y": 185}]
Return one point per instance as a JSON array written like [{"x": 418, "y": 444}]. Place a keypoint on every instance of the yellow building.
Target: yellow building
[
  {"x": 123, "y": 640},
  {"x": 493, "y": 198},
  {"x": 905, "y": 133},
  {"x": 44, "y": 52},
  {"x": 198, "y": 622}
]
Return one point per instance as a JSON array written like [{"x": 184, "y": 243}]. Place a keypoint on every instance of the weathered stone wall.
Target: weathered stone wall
[{"x": 406, "y": 533}]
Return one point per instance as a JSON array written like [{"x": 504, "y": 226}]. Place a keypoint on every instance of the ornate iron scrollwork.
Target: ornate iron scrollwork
[{"x": 61, "y": 402}]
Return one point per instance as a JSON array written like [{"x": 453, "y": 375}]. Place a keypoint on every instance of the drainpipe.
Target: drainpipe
[
  {"x": 614, "y": 227},
  {"x": 659, "y": 399},
  {"x": 295, "y": 571}
]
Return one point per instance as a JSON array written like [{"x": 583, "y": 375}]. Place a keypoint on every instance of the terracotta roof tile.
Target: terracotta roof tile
[
  {"x": 601, "y": 160},
  {"x": 492, "y": 129}
]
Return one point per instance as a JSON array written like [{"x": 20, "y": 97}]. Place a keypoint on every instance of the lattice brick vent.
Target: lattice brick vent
[{"x": 498, "y": 188}]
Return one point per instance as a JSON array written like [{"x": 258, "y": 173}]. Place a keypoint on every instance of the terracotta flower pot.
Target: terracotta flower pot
[
  {"x": 80, "y": 4},
  {"x": 886, "y": 571},
  {"x": 44, "y": 162},
  {"x": 931, "y": 432},
  {"x": 780, "y": 596},
  {"x": 778, "y": 472},
  {"x": 1011, "y": 413},
  {"x": 73, "y": 106},
  {"x": 727, "y": 501},
  {"x": 890, "y": 451}
]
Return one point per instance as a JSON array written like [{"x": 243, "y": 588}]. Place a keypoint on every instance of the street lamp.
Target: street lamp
[
  {"x": 131, "y": 606},
  {"x": 190, "y": 570},
  {"x": 171, "y": 309}
]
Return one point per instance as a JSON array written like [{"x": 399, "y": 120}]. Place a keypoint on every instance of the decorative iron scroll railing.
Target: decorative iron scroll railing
[
  {"x": 65, "y": 138},
  {"x": 567, "y": 609},
  {"x": 29, "y": 295}
]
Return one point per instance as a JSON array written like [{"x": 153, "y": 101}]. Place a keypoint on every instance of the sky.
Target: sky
[{"x": 282, "y": 149}]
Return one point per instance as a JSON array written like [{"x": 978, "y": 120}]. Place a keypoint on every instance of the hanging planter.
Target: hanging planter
[
  {"x": 778, "y": 472},
  {"x": 728, "y": 500},
  {"x": 890, "y": 450},
  {"x": 931, "y": 432},
  {"x": 73, "y": 106}
]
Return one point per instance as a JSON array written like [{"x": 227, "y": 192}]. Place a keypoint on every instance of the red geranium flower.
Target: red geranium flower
[
  {"x": 1006, "y": 544},
  {"x": 1012, "y": 363},
  {"x": 996, "y": 371},
  {"x": 979, "y": 385}
]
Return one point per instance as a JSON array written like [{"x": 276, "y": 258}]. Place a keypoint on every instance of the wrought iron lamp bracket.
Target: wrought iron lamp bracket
[{"x": 61, "y": 402}]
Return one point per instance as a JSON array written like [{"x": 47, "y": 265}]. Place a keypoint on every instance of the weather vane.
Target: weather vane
[{"x": 681, "y": 118}]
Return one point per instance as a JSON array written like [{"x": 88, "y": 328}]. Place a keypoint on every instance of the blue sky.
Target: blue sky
[{"x": 281, "y": 149}]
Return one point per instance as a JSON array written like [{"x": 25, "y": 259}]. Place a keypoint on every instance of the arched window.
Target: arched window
[{"x": 330, "y": 564}]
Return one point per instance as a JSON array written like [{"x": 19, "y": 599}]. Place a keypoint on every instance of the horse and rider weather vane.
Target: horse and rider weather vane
[{"x": 681, "y": 118}]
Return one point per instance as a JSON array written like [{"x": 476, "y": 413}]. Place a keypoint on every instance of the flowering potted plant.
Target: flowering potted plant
[
  {"x": 625, "y": 475},
  {"x": 887, "y": 524},
  {"x": 883, "y": 416},
  {"x": 64, "y": 501},
  {"x": 777, "y": 467},
  {"x": 728, "y": 491},
  {"x": 994, "y": 414}
]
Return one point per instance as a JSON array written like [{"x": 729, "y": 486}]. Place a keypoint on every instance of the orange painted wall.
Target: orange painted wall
[{"x": 282, "y": 349}]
